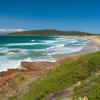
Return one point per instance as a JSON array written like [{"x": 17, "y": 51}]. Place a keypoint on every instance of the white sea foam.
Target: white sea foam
[
  {"x": 22, "y": 44},
  {"x": 50, "y": 41},
  {"x": 49, "y": 48},
  {"x": 72, "y": 40},
  {"x": 57, "y": 46},
  {"x": 39, "y": 50},
  {"x": 16, "y": 64},
  {"x": 32, "y": 40},
  {"x": 68, "y": 40},
  {"x": 65, "y": 50},
  {"x": 46, "y": 60},
  {"x": 11, "y": 63},
  {"x": 3, "y": 49},
  {"x": 4, "y": 65},
  {"x": 10, "y": 51},
  {"x": 28, "y": 59}
]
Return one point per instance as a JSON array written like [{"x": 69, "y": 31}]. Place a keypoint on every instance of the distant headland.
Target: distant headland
[{"x": 47, "y": 32}]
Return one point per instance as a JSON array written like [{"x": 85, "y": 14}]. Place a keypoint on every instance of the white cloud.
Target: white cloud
[{"x": 12, "y": 30}]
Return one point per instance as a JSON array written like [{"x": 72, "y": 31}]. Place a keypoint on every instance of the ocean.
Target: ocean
[{"x": 15, "y": 49}]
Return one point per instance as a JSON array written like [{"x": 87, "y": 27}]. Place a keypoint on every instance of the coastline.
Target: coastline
[
  {"x": 13, "y": 57},
  {"x": 94, "y": 41},
  {"x": 34, "y": 70},
  {"x": 92, "y": 46}
]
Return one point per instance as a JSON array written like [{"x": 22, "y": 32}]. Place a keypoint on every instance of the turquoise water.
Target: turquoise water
[{"x": 14, "y": 49}]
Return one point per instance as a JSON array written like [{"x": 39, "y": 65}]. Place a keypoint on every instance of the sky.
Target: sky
[{"x": 67, "y": 15}]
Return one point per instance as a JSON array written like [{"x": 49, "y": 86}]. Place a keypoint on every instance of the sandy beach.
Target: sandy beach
[{"x": 95, "y": 40}]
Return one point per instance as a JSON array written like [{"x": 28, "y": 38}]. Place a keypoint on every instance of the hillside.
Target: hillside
[
  {"x": 47, "y": 33},
  {"x": 68, "y": 74},
  {"x": 73, "y": 78}
]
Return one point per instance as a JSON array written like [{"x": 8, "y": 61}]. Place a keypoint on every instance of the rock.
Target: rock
[
  {"x": 3, "y": 73},
  {"x": 37, "y": 68},
  {"x": 33, "y": 66},
  {"x": 14, "y": 52},
  {"x": 2, "y": 83},
  {"x": 85, "y": 98},
  {"x": 8, "y": 72}
]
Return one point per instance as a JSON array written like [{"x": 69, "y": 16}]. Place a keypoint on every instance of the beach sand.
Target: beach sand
[{"x": 95, "y": 40}]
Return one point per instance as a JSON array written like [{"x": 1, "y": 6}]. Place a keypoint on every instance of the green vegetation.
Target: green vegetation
[
  {"x": 48, "y": 33},
  {"x": 91, "y": 89},
  {"x": 19, "y": 80},
  {"x": 66, "y": 75}
]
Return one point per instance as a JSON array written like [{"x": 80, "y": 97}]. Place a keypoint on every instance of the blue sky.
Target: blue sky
[{"x": 81, "y": 15}]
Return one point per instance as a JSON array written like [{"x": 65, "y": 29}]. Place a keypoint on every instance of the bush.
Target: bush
[{"x": 66, "y": 75}]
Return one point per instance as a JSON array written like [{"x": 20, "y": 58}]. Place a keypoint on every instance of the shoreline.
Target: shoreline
[
  {"x": 48, "y": 56},
  {"x": 94, "y": 41},
  {"x": 34, "y": 70}
]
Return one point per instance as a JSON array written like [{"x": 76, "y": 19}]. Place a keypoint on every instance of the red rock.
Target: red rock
[
  {"x": 37, "y": 65},
  {"x": 8, "y": 72}
]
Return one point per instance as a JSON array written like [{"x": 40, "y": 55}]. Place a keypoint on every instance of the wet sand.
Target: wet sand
[
  {"x": 95, "y": 40},
  {"x": 92, "y": 46}
]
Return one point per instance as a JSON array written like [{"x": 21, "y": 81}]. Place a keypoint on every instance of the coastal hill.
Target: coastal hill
[
  {"x": 48, "y": 32},
  {"x": 74, "y": 78}
]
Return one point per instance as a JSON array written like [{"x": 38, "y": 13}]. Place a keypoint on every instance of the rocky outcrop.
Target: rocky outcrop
[
  {"x": 27, "y": 68},
  {"x": 34, "y": 66},
  {"x": 8, "y": 72}
]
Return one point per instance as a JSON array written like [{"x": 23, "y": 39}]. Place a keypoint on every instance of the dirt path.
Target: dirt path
[{"x": 65, "y": 93}]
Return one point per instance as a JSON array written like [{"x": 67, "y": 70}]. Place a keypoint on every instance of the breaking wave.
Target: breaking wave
[{"x": 37, "y": 50}]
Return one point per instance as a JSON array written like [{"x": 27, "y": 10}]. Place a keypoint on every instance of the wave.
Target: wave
[
  {"x": 50, "y": 41},
  {"x": 9, "y": 65},
  {"x": 58, "y": 46},
  {"x": 72, "y": 40},
  {"x": 16, "y": 64},
  {"x": 32, "y": 40},
  {"x": 10, "y": 51},
  {"x": 65, "y": 50},
  {"x": 46, "y": 60},
  {"x": 22, "y": 44},
  {"x": 67, "y": 40}
]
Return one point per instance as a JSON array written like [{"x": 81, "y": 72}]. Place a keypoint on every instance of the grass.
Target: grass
[
  {"x": 90, "y": 89},
  {"x": 65, "y": 76},
  {"x": 18, "y": 80}
]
